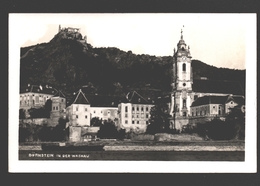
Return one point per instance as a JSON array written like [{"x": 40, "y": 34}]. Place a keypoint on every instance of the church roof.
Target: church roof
[
  {"x": 205, "y": 100},
  {"x": 215, "y": 86},
  {"x": 240, "y": 100}
]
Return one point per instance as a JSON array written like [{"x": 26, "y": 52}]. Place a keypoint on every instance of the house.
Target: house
[
  {"x": 134, "y": 111},
  {"x": 35, "y": 96},
  {"x": 186, "y": 90},
  {"x": 104, "y": 107},
  {"x": 58, "y": 107},
  {"x": 78, "y": 111},
  {"x": 206, "y": 108}
]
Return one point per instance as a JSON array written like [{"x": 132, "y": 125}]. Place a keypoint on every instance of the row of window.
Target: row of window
[
  {"x": 77, "y": 109},
  {"x": 108, "y": 112},
  {"x": 85, "y": 116},
  {"x": 135, "y": 122},
  {"x": 137, "y": 109},
  {"x": 201, "y": 113},
  {"x": 21, "y": 96},
  {"x": 55, "y": 108},
  {"x": 28, "y": 102},
  {"x": 137, "y": 116}
]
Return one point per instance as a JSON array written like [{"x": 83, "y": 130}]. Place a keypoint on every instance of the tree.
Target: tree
[
  {"x": 46, "y": 133},
  {"x": 22, "y": 114},
  {"x": 121, "y": 134},
  {"x": 59, "y": 131},
  {"x": 42, "y": 112},
  {"x": 24, "y": 132},
  {"x": 48, "y": 107},
  {"x": 236, "y": 118},
  {"x": 108, "y": 130},
  {"x": 37, "y": 112},
  {"x": 95, "y": 122},
  {"x": 217, "y": 129},
  {"x": 159, "y": 120}
]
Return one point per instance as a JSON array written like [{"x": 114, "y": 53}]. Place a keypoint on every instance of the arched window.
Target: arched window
[
  {"x": 184, "y": 103},
  {"x": 184, "y": 67}
]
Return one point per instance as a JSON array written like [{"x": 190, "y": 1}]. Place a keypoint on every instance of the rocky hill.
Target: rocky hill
[{"x": 68, "y": 62}]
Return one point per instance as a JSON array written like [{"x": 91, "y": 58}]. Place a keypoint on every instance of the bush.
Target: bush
[
  {"x": 108, "y": 130},
  {"x": 29, "y": 132},
  {"x": 46, "y": 133},
  {"x": 57, "y": 133},
  {"x": 95, "y": 122},
  {"x": 22, "y": 114},
  {"x": 220, "y": 130},
  {"x": 24, "y": 132}
]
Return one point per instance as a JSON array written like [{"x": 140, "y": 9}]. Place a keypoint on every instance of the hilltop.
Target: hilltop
[{"x": 68, "y": 62}]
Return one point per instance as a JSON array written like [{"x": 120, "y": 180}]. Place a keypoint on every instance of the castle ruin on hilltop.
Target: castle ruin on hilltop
[{"x": 73, "y": 33}]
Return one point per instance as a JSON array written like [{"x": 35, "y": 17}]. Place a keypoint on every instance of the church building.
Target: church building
[{"x": 186, "y": 90}]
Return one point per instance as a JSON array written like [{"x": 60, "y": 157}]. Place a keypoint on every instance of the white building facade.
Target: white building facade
[
  {"x": 79, "y": 111},
  {"x": 134, "y": 113}
]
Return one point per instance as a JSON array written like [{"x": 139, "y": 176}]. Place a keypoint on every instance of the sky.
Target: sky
[{"x": 216, "y": 39}]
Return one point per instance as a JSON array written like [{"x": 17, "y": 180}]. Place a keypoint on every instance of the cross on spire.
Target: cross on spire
[{"x": 182, "y": 32}]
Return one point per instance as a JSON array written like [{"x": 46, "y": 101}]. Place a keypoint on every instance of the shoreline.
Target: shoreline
[{"x": 150, "y": 145}]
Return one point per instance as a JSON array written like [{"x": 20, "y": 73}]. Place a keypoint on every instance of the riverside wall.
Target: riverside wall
[{"x": 181, "y": 146}]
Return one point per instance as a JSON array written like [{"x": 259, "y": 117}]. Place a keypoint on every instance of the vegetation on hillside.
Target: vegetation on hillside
[{"x": 68, "y": 64}]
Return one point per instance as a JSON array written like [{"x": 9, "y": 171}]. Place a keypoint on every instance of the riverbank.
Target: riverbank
[{"x": 111, "y": 145}]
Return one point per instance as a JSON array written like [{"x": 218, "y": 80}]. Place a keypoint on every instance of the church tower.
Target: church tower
[{"x": 181, "y": 85}]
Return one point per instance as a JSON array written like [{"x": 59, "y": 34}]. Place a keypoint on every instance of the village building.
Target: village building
[
  {"x": 58, "y": 108},
  {"x": 206, "y": 108},
  {"x": 186, "y": 90},
  {"x": 104, "y": 107},
  {"x": 78, "y": 111},
  {"x": 35, "y": 96},
  {"x": 134, "y": 112}
]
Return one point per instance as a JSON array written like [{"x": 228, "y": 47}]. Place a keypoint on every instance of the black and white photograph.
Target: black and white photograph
[{"x": 132, "y": 92}]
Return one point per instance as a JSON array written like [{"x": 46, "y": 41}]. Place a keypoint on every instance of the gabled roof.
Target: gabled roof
[
  {"x": 59, "y": 94},
  {"x": 135, "y": 98},
  {"x": 80, "y": 98},
  {"x": 103, "y": 101},
  {"x": 240, "y": 100},
  {"x": 209, "y": 100},
  {"x": 215, "y": 86},
  {"x": 38, "y": 89},
  {"x": 96, "y": 100}
]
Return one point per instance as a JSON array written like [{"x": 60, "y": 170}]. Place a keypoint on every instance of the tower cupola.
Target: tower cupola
[{"x": 181, "y": 44}]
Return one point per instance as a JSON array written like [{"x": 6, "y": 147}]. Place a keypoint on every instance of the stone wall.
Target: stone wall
[
  {"x": 203, "y": 119},
  {"x": 74, "y": 134},
  {"x": 177, "y": 137}
]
